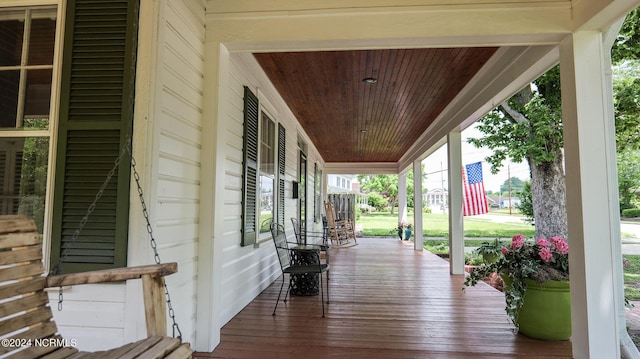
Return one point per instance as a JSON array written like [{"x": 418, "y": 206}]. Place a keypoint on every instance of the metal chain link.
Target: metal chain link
[
  {"x": 154, "y": 246},
  {"x": 126, "y": 149}
]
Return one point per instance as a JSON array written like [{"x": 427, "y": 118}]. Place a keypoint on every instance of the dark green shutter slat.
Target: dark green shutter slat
[
  {"x": 250, "y": 168},
  {"x": 282, "y": 156},
  {"x": 96, "y": 111}
]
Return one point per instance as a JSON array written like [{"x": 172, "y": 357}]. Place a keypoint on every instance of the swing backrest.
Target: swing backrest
[
  {"x": 25, "y": 308},
  {"x": 27, "y": 329}
]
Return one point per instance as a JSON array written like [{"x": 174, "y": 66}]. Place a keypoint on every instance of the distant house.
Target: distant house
[
  {"x": 341, "y": 183},
  {"x": 436, "y": 197}
]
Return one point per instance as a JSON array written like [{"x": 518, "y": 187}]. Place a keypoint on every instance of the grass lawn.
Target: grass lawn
[
  {"x": 437, "y": 225},
  {"x": 632, "y": 276}
]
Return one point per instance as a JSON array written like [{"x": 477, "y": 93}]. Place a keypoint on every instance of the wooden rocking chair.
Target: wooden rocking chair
[
  {"x": 27, "y": 329},
  {"x": 340, "y": 231}
]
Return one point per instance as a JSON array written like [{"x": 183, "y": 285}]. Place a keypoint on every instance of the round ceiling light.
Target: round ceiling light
[{"x": 370, "y": 80}]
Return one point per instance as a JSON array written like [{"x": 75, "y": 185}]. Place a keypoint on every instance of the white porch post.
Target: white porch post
[
  {"x": 417, "y": 206},
  {"x": 402, "y": 198},
  {"x": 456, "y": 219},
  {"x": 589, "y": 180}
]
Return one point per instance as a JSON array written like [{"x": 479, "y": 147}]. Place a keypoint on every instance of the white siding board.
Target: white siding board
[
  {"x": 91, "y": 311},
  {"x": 247, "y": 271},
  {"x": 181, "y": 80}
]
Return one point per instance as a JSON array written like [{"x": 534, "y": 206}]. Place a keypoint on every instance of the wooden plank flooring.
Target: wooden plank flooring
[{"x": 387, "y": 301}]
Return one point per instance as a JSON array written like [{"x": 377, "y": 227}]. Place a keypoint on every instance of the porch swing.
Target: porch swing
[{"x": 27, "y": 328}]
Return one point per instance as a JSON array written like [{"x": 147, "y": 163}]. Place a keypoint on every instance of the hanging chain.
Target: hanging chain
[
  {"x": 126, "y": 149},
  {"x": 154, "y": 246}
]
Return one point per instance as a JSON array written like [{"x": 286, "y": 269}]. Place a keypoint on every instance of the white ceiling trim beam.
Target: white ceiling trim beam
[
  {"x": 373, "y": 168},
  {"x": 468, "y": 24}
]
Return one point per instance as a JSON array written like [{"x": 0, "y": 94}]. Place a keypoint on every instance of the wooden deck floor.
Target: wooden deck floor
[{"x": 387, "y": 301}]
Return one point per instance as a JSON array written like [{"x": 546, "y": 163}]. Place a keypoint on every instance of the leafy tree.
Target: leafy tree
[
  {"x": 626, "y": 44},
  {"x": 526, "y": 202},
  {"x": 385, "y": 185},
  {"x": 528, "y": 128},
  {"x": 376, "y": 201},
  {"x": 516, "y": 185},
  {"x": 628, "y": 177}
]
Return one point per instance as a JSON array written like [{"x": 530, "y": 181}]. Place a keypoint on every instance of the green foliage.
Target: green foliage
[
  {"x": 631, "y": 213},
  {"x": 627, "y": 45},
  {"x": 631, "y": 264},
  {"x": 626, "y": 102},
  {"x": 628, "y": 177},
  {"x": 387, "y": 187},
  {"x": 538, "y": 138},
  {"x": 516, "y": 185},
  {"x": 526, "y": 202},
  {"x": 490, "y": 248},
  {"x": 376, "y": 201}
]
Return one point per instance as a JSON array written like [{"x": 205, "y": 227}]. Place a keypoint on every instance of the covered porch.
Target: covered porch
[{"x": 387, "y": 301}]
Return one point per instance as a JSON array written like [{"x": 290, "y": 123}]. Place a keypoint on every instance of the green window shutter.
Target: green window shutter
[
  {"x": 96, "y": 112},
  {"x": 282, "y": 157},
  {"x": 250, "y": 168}
]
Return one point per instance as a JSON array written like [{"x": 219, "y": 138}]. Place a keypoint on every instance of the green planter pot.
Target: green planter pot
[
  {"x": 546, "y": 312},
  {"x": 407, "y": 234}
]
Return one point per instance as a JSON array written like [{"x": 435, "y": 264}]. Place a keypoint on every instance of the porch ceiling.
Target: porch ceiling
[{"x": 351, "y": 120}]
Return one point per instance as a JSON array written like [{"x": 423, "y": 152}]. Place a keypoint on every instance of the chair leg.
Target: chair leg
[
  {"x": 286, "y": 295},
  {"x": 322, "y": 294},
  {"x": 279, "y": 293},
  {"x": 327, "y": 287}
]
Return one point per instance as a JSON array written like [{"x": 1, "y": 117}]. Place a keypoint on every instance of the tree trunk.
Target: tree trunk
[{"x": 548, "y": 195}]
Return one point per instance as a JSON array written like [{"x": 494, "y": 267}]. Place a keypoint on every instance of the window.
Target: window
[
  {"x": 267, "y": 171},
  {"x": 27, "y": 43},
  {"x": 263, "y": 175}
]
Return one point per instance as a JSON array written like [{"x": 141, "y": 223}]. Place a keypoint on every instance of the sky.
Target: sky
[{"x": 470, "y": 154}]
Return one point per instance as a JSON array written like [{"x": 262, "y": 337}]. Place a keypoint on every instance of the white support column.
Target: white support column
[
  {"x": 402, "y": 198},
  {"x": 590, "y": 181},
  {"x": 418, "y": 238},
  {"x": 456, "y": 219}
]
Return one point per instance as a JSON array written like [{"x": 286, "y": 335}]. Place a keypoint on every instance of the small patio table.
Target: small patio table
[{"x": 305, "y": 284}]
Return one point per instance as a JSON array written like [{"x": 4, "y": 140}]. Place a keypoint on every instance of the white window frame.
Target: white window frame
[{"x": 54, "y": 104}]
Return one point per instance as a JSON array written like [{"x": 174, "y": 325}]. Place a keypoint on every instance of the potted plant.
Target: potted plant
[
  {"x": 490, "y": 251},
  {"x": 536, "y": 285},
  {"x": 408, "y": 231}
]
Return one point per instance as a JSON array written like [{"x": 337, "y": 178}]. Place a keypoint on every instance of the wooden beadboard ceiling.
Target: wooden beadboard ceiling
[{"x": 349, "y": 120}]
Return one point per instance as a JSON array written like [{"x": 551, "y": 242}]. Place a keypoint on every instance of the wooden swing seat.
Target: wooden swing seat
[{"x": 27, "y": 328}]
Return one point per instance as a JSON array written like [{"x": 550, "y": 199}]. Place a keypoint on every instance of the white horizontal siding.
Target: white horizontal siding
[
  {"x": 92, "y": 315},
  {"x": 177, "y": 150},
  {"x": 246, "y": 271}
]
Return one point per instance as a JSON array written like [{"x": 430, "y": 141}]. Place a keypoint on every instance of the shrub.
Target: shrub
[{"x": 631, "y": 213}]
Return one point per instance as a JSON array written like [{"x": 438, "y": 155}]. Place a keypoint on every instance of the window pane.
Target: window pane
[
  {"x": 267, "y": 146},
  {"x": 37, "y": 97},
  {"x": 41, "y": 41},
  {"x": 266, "y": 202},
  {"x": 9, "y": 82},
  {"x": 11, "y": 32},
  {"x": 23, "y": 177}
]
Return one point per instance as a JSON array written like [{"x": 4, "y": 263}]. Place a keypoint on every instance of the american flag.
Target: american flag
[{"x": 475, "y": 200}]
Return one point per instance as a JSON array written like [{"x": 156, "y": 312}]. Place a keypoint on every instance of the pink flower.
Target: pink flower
[
  {"x": 542, "y": 243},
  {"x": 517, "y": 241},
  {"x": 545, "y": 254},
  {"x": 560, "y": 244},
  {"x": 505, "y": 250}
]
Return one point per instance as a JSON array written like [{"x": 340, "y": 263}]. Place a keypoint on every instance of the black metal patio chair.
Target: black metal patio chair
[{"x": 298, "y": 260}]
